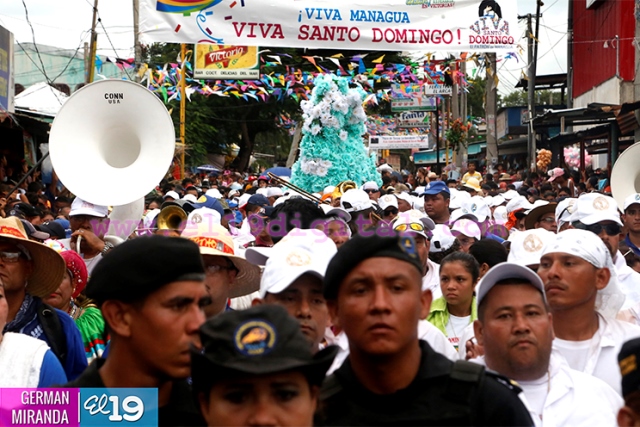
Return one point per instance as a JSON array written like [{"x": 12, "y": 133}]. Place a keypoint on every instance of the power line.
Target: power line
[{"x": 35, "y": 46}]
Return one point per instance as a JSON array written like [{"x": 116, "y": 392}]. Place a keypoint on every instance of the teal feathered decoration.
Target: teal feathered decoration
[{"x": 332, "y": 150}]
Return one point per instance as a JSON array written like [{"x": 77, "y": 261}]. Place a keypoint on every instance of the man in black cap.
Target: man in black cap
[
  {"x": 256, "y": 368},
  {"x": 374, "y": 293},
  {"x": 152, "y": 295},
  {"x": 628, "y": 359}
]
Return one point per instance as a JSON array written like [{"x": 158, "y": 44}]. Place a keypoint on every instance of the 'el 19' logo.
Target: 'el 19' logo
[
  {"x": 128, "y": 406},
  {"x": 131, "y": 405}
]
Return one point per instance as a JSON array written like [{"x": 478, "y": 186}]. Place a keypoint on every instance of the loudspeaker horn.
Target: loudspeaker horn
[
  {"x": 625, "y": 175},
  {"x": 112, "y": 142}
]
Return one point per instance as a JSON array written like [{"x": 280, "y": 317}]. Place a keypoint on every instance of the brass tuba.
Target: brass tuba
[
  {"x": 172, "y": 217},
  {"x": 342, "y": 188}
]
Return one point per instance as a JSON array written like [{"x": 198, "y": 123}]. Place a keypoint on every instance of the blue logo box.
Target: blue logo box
[{"x": 119, "y": 406}]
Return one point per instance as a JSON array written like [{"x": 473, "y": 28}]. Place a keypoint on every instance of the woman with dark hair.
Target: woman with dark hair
[{"x": 456, "y": 309}]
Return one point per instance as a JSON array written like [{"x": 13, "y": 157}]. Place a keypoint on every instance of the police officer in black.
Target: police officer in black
[
  {"x": 152, "y": 295},
  {"x": 374, "y": 291}
]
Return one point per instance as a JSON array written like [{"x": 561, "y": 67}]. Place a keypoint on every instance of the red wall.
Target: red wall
[{"x": 592, "y": 63}]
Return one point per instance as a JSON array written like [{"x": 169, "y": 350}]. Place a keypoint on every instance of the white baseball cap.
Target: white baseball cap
[
  {"x": 497, "y": 201},
  {"x": 510, "y": 194},
  {"x": 526, "y": 246},
  {"x": 214, "y": 192},
  {"x": 274, "y": 192},
  {"x": 370, "y": 185},
  {"x": 442, "y": 239},
  {"x": 332, "y": 211},
  {"x": 538, "y": 203},
  {"x": 388, "y": 200},
  {"x": 263, "y": 191},
  {"x": 458, "y": 198},
  {"x": 190, "y": 198},
  {"x": 517, "y": 203},
  {"x": 242, "y": 201},
  {"x": 81, "y": 207},
  {"x": 355, "y": 200},
  {"x": 405, "y": 196},
  {"x": 328, "y": 189},
  {"x": 298, "y": 253},
  {"x": 500, "y": 215},
  {"x": 467, "y": 227},
  {"x": 172, "y": 194},
  {"x": 595, "y": 207},
  {"x": 630, "y": 200},
  {"x": 508, "y": 270},
  {"x": 564, "y": 209},
  {"x": 200, "y": 219},
  {"x": 413, "y": 217}
]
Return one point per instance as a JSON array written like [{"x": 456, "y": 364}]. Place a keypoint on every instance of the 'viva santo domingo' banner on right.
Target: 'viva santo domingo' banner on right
[{"x": 451, "y": 25}]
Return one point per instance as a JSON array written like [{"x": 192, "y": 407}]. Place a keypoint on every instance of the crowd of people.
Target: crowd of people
[{"x": 497, "y": 298}]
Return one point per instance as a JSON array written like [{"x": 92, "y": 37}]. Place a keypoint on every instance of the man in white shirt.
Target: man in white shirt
[
  {"x": 579, "y": 281},
  {"x": 515, "y": 328},
  {"x": 419, "y": 226},
  {"x": 599, "y": 214}
]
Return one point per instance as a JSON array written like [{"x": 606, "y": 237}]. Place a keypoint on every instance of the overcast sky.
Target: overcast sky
[{"x": 67, "y": 23}]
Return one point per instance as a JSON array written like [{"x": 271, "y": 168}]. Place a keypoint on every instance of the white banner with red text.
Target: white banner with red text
[{"x": 449, "y": 25}]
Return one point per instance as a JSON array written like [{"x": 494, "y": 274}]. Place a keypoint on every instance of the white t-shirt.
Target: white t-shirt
[
  {"x": 577, "y": 352},
  {"x": 431, "y": 280},
  {"x": 455, "y": 327},
  {"x": 536, "y": 392}
]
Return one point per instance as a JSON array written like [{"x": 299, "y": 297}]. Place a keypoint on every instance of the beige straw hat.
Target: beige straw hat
[{"x": 48, "y": 266}]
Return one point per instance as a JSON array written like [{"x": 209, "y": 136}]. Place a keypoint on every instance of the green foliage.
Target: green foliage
[{"x": 519, "y": 98}]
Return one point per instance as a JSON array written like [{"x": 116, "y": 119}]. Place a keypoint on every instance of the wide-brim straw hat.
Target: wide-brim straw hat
[
  {"x": 48, "y": 266},
  {"x": 214, "y": 239}
]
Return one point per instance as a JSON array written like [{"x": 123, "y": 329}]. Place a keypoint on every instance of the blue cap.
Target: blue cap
[
  {"x": 436, "y": 187},
  {"x": 65, "y": 224},
  {"x": 211, "y": 203},
  {"x": 259, "y": 200}
]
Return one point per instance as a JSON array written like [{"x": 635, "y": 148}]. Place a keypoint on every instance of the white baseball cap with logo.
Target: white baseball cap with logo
[
  {"x": 299, "y": 252},
  {"x": 564, "y": 209},
  {"x": 526, "y": 246},
  {"x": 467, "y": 227},
  {"x": 81, "y": 207},
  {"x": 500, "y": 215},
  {"x": 631, "y": 200},
  {"x": 388, "y": 200},
  {"x": 442, "y": 239},
  {"x": 355, "y": 200},
  {"x": 592, "y": 208}
]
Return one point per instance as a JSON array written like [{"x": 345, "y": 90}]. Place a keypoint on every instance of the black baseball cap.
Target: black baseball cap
[
  {"x": 53, "y": 229},
  {"x": 628, "y": 360},
  {"x": 360, "y": 248},
  {"x": 261, "y": 340},
  {"x": 136, "y": 268}
]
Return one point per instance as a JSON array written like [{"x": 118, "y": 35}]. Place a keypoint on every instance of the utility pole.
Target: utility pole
[
  {"x": 491, "y": 107},
  {"x": 94, "y": 43},
  {"x": 183, "y": 106},
  {"x": 136, "y": 41},
  {"x": 531, "y": 74},
  {"x": 533, "y": 61}
]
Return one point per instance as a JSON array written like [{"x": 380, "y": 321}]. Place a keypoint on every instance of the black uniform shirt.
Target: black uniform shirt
[
  {"x": 432, "y": 398},
  {"x": 181, "y": 410}
]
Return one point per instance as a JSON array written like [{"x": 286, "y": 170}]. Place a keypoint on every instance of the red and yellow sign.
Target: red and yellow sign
[{"x": 226, "y": 62}]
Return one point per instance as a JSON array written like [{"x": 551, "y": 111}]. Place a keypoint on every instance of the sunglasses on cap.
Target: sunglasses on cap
[
  {"x": 612, "y": 229},
  {"x": 414, "y": 226}
]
